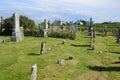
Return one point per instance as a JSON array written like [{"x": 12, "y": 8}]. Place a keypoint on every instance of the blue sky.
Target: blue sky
[{"x": 68, "y": 10}]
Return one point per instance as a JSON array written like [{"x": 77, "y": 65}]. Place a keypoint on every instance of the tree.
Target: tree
[{"x": 24, "y": 21}]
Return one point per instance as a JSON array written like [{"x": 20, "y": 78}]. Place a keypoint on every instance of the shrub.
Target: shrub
[{"x": 65, "y": 35}]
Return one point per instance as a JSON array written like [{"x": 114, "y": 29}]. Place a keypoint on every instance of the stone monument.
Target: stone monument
[
  {"x": 2, "y": 23},
  {"x": 33, "y": 72},
  {"x": 46, "y": 28},
  {"x": 16, "y": 34},
  {"x": 89, "y": 27}
]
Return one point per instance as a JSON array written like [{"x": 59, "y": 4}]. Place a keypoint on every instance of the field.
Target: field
[{"x": 17, "y": 58}]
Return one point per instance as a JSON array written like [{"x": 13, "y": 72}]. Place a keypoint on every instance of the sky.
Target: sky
[{"x": 66, "y": 10}]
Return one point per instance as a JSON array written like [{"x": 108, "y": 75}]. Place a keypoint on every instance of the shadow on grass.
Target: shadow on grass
[
  {"x": 75, "y": 45},
  {"x": 115, "y": 52},
  {"x": 33, "y": 54},
  {"x": 118, "y": 62},
  {"x": 100, "y": 68}
]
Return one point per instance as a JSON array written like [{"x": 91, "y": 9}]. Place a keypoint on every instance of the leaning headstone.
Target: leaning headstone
[
  {"x": 16, "y": 34},
  {"x": 60, "y": 62},
  {"x": 33, "y": 72},
  {"x": 43, "y": 45}
]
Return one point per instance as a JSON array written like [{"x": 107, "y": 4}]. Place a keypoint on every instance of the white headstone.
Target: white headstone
[
  {"x": 46, "y": 28},
  {"x": 34, "y": 72},
  {"x": 16, "y": 34}
]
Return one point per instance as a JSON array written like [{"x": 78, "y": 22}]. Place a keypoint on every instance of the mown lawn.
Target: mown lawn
[{"x": 17, "y": 58}]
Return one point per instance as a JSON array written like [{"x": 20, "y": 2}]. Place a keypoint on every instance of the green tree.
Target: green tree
[{"x": 24, "y": 21}]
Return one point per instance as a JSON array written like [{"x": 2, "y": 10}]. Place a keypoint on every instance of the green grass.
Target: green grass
[{"x": 17, "y": 58}]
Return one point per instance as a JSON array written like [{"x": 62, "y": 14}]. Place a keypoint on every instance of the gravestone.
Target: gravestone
[
  {"x": 60, "y": 62},
  {"x": 105, "y": 31},
  {"x": 94, "y": 32},
  {"x": 22, "y": 32},
  {"x": 16, "y": 34},
  {"x": 91, "y": 40},
  {"x": 89, "y": 27},
  {"x": 64, "y": 28},
  {"x": 33, "y": 72},
  {"x": 43, "y": 46},
  {"x": 118, "y": 35},
  {"x": 1, "y": 41},
  {"x": 4, "y": 40},
  {"x": 2, "y": 23},
  {"x": 46, "y": 28}
]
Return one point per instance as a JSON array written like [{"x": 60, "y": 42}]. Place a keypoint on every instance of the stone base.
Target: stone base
[{"x": 17, "y": 36}]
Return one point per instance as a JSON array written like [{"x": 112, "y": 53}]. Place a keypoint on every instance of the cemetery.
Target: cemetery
[{"x": 58, "y": 51}]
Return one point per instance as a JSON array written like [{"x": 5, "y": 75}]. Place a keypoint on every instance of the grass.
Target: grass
[{"x": 17, "y": 58}]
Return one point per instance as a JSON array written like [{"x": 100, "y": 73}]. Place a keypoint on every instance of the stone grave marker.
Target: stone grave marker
[
  {"x": 118, "y": 35},
  {"x": 1, "y": 41},
  {"x": 16, "y": 34},
  {"x": 60, "y": 62},
  {"x": 46, "y": 28},
  {"x": 2, "y": 23},
  {"x": 91, "y": 40},
  {"x": 94, "y": 32},
  {"x": 105, "y": 31},
  {"x": 33, "y": 72},
  {"x": 89, "y": 27},
  {"x": 43, "y": 47}
]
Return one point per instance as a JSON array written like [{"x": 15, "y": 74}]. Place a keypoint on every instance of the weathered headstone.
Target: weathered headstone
[
  {"x": 16, "y": 34},
  {"x": 64, "y": 28},
  {"x": 91, "y": 40},
  {"x": 89, "y": 27},
  {"x": 1, "y": 41},
  {"x": 43, "y": 46},
  {"x": 46, "y": 28},
  {"x": 33, "y": 72},
  {"x": 118, "y": 35},
  {"x": 60, "y": 62},
  {"x": 94, "y": 33},
  {"x": 2, "y": 23},
  {"x": 105, "y": 31},
  {"x": 4, "y": 40}
]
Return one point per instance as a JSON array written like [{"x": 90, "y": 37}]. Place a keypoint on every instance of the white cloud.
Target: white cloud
[{"x": 99, "y": 9}]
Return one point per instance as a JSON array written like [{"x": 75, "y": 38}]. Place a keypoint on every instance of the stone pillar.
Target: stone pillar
[
  {"x": 46, "y": 28},
  {"x": 2, "y": 23},
  {"x": 94, "y": 32},
  {"x": 89, "y": 27},
  {"x": 43, "y": 45},
  {"x": 16, "y": 34},
  {"x": 91, "y": 40},
  {"x": 33, "y": 72},
  {"x": 105, "y": 31},
  {"x": 118, "y": 35}
]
